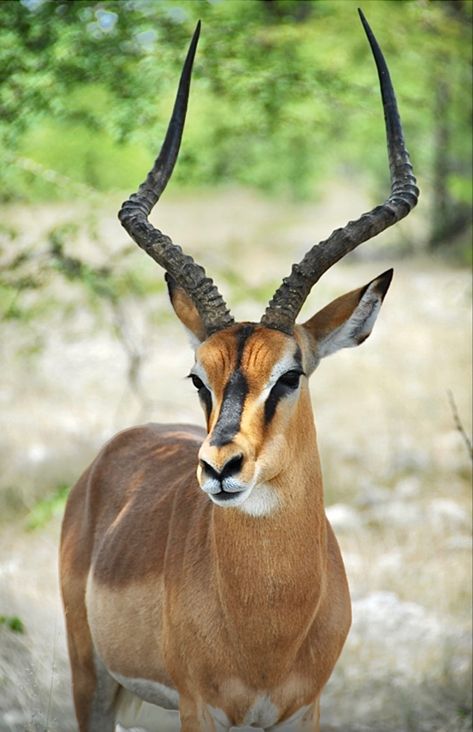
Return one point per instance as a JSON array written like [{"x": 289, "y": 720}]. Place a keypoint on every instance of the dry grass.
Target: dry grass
[{"x": 396, "y": 469}]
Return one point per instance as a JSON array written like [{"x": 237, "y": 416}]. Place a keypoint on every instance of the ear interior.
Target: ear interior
[
  {"x": 348, "y": 321},
  {"x": 186, "y": 311}
]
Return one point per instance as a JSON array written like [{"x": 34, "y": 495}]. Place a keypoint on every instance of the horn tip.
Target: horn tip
[
  {"x": 194, "y": 40},
  {"x": 364, "y": 22}
]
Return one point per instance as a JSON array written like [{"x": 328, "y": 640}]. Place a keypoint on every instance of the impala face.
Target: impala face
[
  {"x": 249, "y": 380},
  {"x": 252, "y": 384}
]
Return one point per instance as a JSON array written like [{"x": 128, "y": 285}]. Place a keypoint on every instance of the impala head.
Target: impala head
[
  {"x": 251, "y": 378},
  {"x": 252, "y": 384}
]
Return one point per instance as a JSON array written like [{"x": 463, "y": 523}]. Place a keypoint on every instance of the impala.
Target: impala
[{"x": 198, "y": 570}]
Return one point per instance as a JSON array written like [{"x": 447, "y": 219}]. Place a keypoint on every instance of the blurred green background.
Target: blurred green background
[{"x": 284, "y": 96}]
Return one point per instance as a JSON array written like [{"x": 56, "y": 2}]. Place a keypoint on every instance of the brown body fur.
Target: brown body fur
[
  {"x": 264, "y": 600},
  {"x": 225, "y": 606}
]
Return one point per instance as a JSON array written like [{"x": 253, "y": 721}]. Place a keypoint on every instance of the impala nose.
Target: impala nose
[{"x": 232, "y": 466}]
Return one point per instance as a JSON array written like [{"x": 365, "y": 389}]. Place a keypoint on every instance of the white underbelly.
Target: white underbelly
[{"x": 149, "y": 691}]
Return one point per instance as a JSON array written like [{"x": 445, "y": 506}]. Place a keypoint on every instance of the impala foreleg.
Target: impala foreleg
[{"x": 94, "y": 691}]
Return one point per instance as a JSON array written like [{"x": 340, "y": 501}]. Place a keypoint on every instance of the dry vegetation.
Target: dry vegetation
[{"x": 396, "y": 468}]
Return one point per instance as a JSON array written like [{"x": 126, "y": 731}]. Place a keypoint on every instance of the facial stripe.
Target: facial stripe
[
  {"x": 228, "y": 423},
  {"x": 206, "y": 397},
  {"x": 234, "y": 395},
  {"x": 277, "y": 393},
  {"x": 270, "y": 406}
]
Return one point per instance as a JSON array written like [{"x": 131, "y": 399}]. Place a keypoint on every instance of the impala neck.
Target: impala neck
[
  {"x": 274, "y": 564},
  {"x": 290, "y": 541}
]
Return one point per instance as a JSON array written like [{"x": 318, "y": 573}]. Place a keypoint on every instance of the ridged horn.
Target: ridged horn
[
  {"x": 134, "y": 214},
  {"x": 289, "y": 298}
]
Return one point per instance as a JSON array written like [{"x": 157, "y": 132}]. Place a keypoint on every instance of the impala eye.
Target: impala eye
[
  {"x": 203, "y": 392},
  {"x": 198, "y": 383},
  {"x": 290, "y": 380}
]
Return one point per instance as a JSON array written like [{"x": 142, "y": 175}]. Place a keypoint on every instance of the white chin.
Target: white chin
[{"x": 258, "y": 500}]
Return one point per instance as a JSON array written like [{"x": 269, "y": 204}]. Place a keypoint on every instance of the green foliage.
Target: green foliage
[
  {"x": 77, "y": 151},
  {"x": 284, "y": 93},
  {"x": 13, "y": 623},
  {"x": 47, "y": 508}
]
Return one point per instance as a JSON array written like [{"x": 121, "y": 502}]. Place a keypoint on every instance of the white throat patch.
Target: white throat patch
[{"x": 262, "y": 501}]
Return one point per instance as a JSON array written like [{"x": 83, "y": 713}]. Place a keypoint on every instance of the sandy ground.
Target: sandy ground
[{"x": 396, "y": 468}]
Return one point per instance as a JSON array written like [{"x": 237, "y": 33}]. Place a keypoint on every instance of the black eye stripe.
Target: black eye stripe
[
  {"x": 285, "y": 385},
  {"x": 206, "y": 397}
]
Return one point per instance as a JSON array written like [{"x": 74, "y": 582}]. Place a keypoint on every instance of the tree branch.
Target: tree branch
[{"x": 458, "y": 423}]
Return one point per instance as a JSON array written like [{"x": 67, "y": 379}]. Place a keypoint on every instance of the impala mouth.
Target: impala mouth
[
  {"x": 232, "y": 495},
  {"x": 225, "y": 495},
  {"x": 230, "y": 498},
  {"x": 227, "y": 492}
]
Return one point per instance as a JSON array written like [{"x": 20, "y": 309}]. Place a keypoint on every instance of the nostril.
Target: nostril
[
  {"x": 211, "y": 472},
  {"x": 232, "y": 466}
]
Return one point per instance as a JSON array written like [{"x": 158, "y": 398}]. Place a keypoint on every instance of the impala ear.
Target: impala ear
[
  {"x": 186, "y": 311},
  {"x": 348, "y": 320}
]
